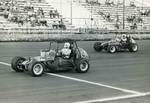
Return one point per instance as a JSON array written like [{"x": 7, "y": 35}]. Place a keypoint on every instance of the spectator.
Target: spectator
[
  {"x": 142, "y": 12},
  {"x": 6, "y": 13},
  {"x": 132, "y": 4},
  {"x": 100, "y": 13},
  {"x": 139, "y": 20},
  {"x": 109, "y": 3},
  {"x": 2, "y": 8},
  {"x": 147, "y": 12},
  {"x": 10, "y": 16},
  {"x": 43, "y": 22},
  {"x": 28, "y": 7},
  {"x": 119, "y": 3},
  {"x": 62, "y": 25},
  {"x": 51, "y": 14},
  {"x": 30, "y": 13},
  {"x": 93, "y": 2},
  {"x": 117, "y": 25},
  {"x": 40, "y": 12},
  {"x": 55, "y": 25},
  {"x": 56, "y": 14},
  {"x": 20, "y": 20},
  {"x": 33, "y": 21},
  {"x": 108, "y": 17},
  {"x": 133, "y": 26},
  {"x": 131, "y": 18}
]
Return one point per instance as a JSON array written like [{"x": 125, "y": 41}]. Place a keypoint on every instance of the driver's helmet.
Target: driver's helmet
[
  {"x": 67, "y": 45},
  {"x": 124, "y": 37},
  {"x": 128, "y": 36}
]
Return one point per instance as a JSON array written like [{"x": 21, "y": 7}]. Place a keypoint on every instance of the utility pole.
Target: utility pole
[
  {"x": 142, "y": 11},
  {"x": 142, "y": 4},
  {"x": 71, "y": 12},
  {"x": 123, "y": 14},
  {"x": 91, "y": 17}
]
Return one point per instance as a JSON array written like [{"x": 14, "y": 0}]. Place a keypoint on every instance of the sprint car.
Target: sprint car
[
  {"x": 50, "y": 60},
  {"x": 117, "y": 44}
]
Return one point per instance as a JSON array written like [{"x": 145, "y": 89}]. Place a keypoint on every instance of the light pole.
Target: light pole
[
  {"x": 142, "y": 4},
  {"x": 71, "y": 12},
  {"x": 123, "y": 14},
  {"x": 91, "y": 17},
  {"x": 142, "y": 11}
]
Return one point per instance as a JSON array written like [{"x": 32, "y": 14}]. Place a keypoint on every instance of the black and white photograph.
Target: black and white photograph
[{"x": 74, "y": 51}]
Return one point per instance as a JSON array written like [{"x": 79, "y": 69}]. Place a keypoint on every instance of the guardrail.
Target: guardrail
[
  {"x": 35, "y": 30},
  {"x": 45, "y": 34},
  {"x": 97, "y": 31},
  {"x": 45, "y": 30}
]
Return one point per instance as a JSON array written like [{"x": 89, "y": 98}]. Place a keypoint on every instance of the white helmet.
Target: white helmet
[
  {"x": 124, "y": 37},
  {"x": 67, "y": 45}
]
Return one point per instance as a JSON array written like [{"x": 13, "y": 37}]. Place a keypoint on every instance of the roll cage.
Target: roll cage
[{"x": 58, "y": 43}]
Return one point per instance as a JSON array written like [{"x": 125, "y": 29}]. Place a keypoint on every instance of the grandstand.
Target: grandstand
[
  {"x": 32, "y": 14},
  {"x": 74, "y": 15},
  {"x": 93, "y": 14},
  {"x": 112, "y": 14}
]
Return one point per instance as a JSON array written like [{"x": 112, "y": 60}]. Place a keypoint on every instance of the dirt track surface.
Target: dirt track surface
[{"x": 125, "y": 70}]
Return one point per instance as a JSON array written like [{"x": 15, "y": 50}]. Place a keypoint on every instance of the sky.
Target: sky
[{"x": 146, "y": 2}]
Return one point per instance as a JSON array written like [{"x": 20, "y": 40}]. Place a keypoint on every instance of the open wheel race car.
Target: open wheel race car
[
  {"x": 117, "y": 44},
  {"x": 52, "y": 60}
]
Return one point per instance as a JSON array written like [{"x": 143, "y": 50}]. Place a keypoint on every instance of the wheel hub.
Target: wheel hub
[
  {"x": 112, "y": 49},
  {"x": 84, "y": 66},
  {"x": 134, "y": 48},
  {"x": 38, "y": 69}
]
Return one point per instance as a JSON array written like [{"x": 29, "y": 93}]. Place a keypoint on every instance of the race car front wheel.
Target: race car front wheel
[
  {"x": 36, "y": 69},
  {"x": 133, "y": 48},
  {"x": 97, "y": 46},
  {"x": 16, "y": 64},
  {"x": 82, "y": 66},
  {"x": 111, "y": 49}
]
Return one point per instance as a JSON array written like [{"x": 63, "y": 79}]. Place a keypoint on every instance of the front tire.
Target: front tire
[
  {"x": 16, "y": 64},
  {"x": 36, "y": 69},
  {"x": 133, "y": 48},
  {"x": 97, "y": 46},
  {"x": 82, "y": 66},
  {"x": 112, "y": 49}
]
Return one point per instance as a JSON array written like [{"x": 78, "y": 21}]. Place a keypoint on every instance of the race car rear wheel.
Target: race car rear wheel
[
  {"x": 112, "y": 49},
  {"x": 16, "y": 64},
  {"x": 36, "y": 69},
  {"x": 97, "y": 46},
  {"x": 133, "y": 48},
  {"x": 82, "y": 66}
]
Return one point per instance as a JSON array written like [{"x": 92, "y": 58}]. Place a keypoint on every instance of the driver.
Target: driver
[
  {"x": 128, "y": 38},
  {"x": 124, "y": 38},
  {"x": 66, "y": 51}
]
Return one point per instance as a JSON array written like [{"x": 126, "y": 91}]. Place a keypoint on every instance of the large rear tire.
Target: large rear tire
[
  {"x": 16, "y": 64},
  {"x": 36, "y": 69},
  {"x": 133, "y": 48},
  {"x": 97, "y": 46},
  {"x": 82, "y": 66}
]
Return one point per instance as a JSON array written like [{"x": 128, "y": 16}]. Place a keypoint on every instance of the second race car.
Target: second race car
[{"x": 123, "y": 43}]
